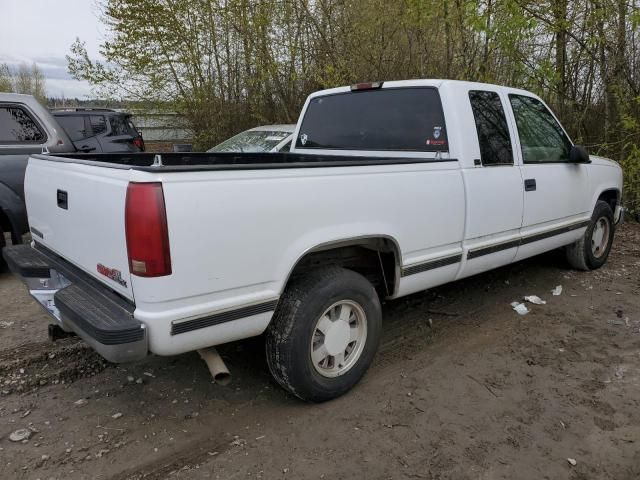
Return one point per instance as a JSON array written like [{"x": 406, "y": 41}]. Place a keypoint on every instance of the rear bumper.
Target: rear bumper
[{"x": 79, "y": 303}]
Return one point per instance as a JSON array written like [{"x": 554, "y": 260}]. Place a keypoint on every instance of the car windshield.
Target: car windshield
[{"x": 252, "y": 141}]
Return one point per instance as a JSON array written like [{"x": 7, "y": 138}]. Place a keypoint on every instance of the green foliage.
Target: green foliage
[
  {"x": 631, "y": 166},
  {"x": 6, "y": 81}
]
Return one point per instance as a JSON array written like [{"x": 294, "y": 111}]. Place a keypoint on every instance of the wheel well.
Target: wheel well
[
  {"x": 376, "y": 259},
  {"x": 611, "y": 197},
  {"x": 5, "y": 223}
]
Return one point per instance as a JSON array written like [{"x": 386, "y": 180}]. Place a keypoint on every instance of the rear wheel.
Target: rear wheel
[
  {"x": 324, "y": 334},
  {"x": 592, "y": 250}
]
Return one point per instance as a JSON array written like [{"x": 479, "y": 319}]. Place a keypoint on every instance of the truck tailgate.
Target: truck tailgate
[{"x": 77, "y": 211}]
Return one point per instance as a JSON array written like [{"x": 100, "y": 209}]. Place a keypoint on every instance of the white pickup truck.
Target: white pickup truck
[{"x": 389, "y": 189}]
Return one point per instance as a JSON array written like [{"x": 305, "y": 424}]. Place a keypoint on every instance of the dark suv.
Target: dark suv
[{"x": 100, "y": 130}]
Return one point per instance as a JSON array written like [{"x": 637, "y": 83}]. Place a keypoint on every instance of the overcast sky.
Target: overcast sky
[{"x": 42, "y": 31}]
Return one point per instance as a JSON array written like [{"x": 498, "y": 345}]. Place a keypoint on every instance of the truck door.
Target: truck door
[
  {"x": 494, "y": 186},
  {"x": 556, "y": 192}
]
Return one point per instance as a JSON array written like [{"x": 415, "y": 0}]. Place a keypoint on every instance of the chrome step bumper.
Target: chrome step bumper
[{"x": 79, "y": 303}]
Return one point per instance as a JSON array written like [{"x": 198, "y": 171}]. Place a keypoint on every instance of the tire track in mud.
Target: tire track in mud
[
  {"x": 32, "y": 365},
  {"x": 192, "y": 454}
]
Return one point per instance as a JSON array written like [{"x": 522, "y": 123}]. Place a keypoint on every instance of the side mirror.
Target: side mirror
[{"x": 578, "y": 155}]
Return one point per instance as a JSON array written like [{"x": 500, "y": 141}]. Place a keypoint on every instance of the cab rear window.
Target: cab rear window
[{"x": 397, "y": 119}]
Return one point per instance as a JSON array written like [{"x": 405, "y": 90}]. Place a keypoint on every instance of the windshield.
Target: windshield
[{"x": 252, "y": 141}]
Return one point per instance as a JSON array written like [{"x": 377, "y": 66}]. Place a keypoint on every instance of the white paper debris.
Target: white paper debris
[
  {"x": 572, "y": 461},
  {"x": 557, "y": 291},
  {"x": 20, "y": 435},
  {"x": 521, "y": 308},
  {"x": 535, "y": 300}
]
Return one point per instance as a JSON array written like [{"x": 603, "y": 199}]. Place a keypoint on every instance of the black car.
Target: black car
[{"x": 100, "y": 130}]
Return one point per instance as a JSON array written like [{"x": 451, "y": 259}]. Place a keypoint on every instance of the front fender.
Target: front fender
[{"x": 605, "y": 177}]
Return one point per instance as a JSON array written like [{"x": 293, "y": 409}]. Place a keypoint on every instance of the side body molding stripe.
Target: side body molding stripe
[
  {"x": 479, "y": 252},
  {"x": 430, "y": 265},
  {"x": 222, "y": 317},
  {"x": 557, "y": 231}
]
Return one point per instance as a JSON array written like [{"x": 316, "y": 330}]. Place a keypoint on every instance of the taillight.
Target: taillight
[
  {"x": 138, "y": 142},
  {"x": 145, "y": 220}
]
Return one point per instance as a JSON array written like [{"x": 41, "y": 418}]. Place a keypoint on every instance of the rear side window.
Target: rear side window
[
  {"x": 541, "y": 137},
  {"x": 400, "y": 119},
  {"x": 119, "y": 125},
  {"x": 132, "y": 127},
  {"x": 75, "y": 126},
  {"x": 16, "y": 126},
  {"x": 491, "y": 125},
  {"x": 98, "y": 124}
]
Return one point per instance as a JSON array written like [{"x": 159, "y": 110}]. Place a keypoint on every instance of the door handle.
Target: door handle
[
  {"x": 62, "y": 199},
  {"x": 529, "y": 184}
]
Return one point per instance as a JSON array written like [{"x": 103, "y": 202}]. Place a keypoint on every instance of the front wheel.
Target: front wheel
[
  {"x": 324, "y": 334},
  {"x": 592, "y": 250}
]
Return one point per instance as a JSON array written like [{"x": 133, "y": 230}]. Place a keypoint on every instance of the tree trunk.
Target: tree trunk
[{"x": 560, "y": 20}]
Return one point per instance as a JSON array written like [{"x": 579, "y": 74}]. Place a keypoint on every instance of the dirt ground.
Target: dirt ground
[{"x": 463, "y": 388}]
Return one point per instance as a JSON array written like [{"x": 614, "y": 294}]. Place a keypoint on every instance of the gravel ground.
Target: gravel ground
[{"x": 463, "y": 388}]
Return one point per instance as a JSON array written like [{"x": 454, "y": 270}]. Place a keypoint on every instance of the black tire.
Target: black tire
[
  {"x": 289, "y": 336},
  {"x": 580, "y": 255}
]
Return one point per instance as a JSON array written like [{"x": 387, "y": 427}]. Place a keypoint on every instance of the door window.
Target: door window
[
  {"x": 492, "y": 129},
  {"x": 16, "y": 126},
  {"x": 119, "y": 125},
  {"x": 75, "y": 126},
  {"x": 542, "y": 139}
]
